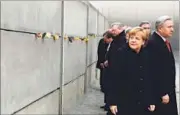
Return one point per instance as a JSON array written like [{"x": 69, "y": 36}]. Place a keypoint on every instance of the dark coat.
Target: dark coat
[
  {"x": 130, "y": 84},
  {"x": 118, "y": 42},
  {"x": 102, "y": 46},
  {"x": 102, "y": 49},
  {"x": 163, "y": 69}
]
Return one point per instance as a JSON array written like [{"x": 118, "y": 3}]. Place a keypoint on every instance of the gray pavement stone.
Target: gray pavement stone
[{"x": 91, "y": 103}]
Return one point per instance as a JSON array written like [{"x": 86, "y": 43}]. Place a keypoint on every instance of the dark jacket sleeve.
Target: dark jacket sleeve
[
  {"x": 161, "y": 79},
  {"x": 149, "y": 92},
  {"x": 100, "y": 53},
  {"x": 116, "y": 69}
]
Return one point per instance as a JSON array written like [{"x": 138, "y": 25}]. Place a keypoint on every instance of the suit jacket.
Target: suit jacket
[
  {"x": 118, "y": 41},
  {"x": 102, "y": 47},
  {"x": 162, "y": 65}
]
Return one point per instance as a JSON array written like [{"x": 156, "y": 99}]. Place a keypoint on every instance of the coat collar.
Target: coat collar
[
  {"x": 134, "y": 50},
  {"x": 164, "y": 39}
]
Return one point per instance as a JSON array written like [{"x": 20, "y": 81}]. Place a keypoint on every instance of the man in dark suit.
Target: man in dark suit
[
  {"x": 119, "y": 39},
  {"x": 147, "y": 26},
  {"x": 108, "y": 40},
  {"x": 163, "y": 67},
  {"x": 102, "y": 46}
]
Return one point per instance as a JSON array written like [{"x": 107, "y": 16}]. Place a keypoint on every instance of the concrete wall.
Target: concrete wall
[
  {"x": 31, "y": 15},
  {"x": 31, "y": 69},
  {"x": 91, "y": 69},
  {"x": 106, "y": 25},
  {"x": 101, "y": 26},
  {"x": 74, "y": 54},
  {"x": 80, "y": 73}
]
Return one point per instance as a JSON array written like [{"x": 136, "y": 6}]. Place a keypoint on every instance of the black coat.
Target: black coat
[
  {"x": 130, "y": 84},
  {"x": 163, "y": 69},
  {"x": 118, "y": 42},
  {"x": 102, "y": 47}
]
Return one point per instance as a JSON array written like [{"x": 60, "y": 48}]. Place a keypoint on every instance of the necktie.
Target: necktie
[{"x": 168, "y": 45}]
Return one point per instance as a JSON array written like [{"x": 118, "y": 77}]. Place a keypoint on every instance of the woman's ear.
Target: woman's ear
[{"x": 143, "y": 42}]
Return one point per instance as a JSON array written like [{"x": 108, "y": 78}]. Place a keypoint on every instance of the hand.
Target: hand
[
  {"x": 113, "y": 109},
  {"x": 102, "y": 65},
  {"x": 106, "y": 63},
  {"x": 165, "y": 99},
  {"x": 151, "y": 108}
]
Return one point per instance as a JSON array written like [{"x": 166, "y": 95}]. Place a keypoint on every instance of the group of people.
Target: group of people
[{"x": 137, "y": 69}]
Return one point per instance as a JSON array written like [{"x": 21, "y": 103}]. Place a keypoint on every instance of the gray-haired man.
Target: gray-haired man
[
  {"x": 147, "y": 26},
  {"x": 119, "y": 36},
  {"x": 119, "y": 39},
  {"x": 163, "y": 67}
]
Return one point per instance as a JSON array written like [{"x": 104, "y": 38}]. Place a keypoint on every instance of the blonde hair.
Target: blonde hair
[{"x": 135, "y": 30}]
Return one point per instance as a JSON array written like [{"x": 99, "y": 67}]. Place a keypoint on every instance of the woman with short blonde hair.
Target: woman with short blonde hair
[{"x": 130, "y": 87}]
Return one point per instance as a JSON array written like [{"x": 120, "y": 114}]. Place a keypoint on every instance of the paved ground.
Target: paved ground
[
  {"x": 91, "y": 104},
  {"x": 94, "y": 99}
]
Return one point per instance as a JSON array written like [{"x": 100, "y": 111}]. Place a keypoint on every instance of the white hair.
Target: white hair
[
  {"x": 161, "y": 20},
  {"x": 144, "y": 22},
  {"x": 120, "y": 25},
  {"x": 127, "y": 29}
]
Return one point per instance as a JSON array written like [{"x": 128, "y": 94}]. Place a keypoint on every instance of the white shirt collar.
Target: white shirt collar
[
  {"x": 164, "y": 39},
  {"x": 108, "y": 46}
]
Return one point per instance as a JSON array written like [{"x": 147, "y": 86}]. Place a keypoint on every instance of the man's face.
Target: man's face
[
  {"x": 127, "y": 36},
  {"x": 167, "y": 29},
  {"x": 147, "y": 27},
  {"x": 110, "y": 30},
  {"x": 115, "y": 30},
  {"x": 108, "y": 40}
]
